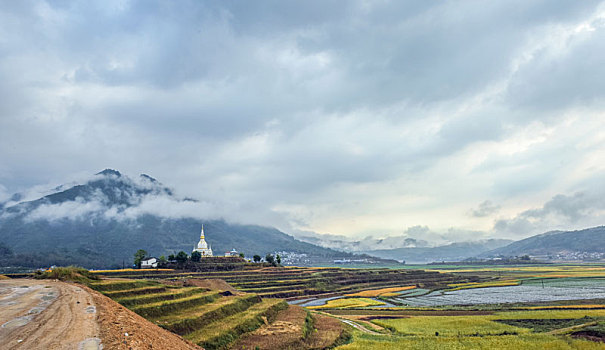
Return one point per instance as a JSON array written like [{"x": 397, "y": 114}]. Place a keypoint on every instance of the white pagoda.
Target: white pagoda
[{"x": 203, "y": 247}]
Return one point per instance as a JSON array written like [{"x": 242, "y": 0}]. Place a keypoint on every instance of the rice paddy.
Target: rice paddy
[
  {"x": 214, "y": 319},
  {"x": 381, "y": 292},
  {"x": 499, "y": 307},
  {"x": 348, "y": 303}
]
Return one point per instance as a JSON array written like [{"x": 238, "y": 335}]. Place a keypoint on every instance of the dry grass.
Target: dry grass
[
  {"x": 552, "y": 271},
  {"x": 548, "y": 314},
  {"x": 285, "y": 332},
  {"x": 130, "y": 270},
  {"x": 380, "y": 292},
  {"x": 222, "y": 332},
  {"x": 2, "y": 277},
  {"x": 347, "y": 303},
  {"x": 565, "y": 307}
]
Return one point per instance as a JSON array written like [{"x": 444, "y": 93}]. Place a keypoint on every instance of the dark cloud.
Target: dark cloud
[
  {"x": 566, "y": 74},
  {"x": 277, "y": 103}
]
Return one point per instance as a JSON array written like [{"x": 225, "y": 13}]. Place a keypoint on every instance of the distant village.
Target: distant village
[{"x": 203, "y": 250}]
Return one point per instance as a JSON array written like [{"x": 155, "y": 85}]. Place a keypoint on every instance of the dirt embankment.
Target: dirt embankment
[
  {"x": 123, "y": 329},
  {"x": 46, "y": 315}
]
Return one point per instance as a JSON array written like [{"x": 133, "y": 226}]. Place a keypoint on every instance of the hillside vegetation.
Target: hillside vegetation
[
  {"x": 216, "y": 319},
  {"x": 591, "y": 240}
]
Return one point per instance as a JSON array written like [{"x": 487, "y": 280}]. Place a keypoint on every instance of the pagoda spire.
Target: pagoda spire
[{"x": 202, "y": 234}]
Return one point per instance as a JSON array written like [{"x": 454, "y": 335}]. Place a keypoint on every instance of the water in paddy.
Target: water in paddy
[{"x": 528, "y": 292}]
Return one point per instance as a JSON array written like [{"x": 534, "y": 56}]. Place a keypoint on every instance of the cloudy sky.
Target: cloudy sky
[{"x": 466, "y": 118}]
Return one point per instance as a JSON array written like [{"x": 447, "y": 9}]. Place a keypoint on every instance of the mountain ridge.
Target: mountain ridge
[
  {"x": 450, "y": 252},
  {"x": 103, "y": 221},
  {"x": 589, "y": 240}
]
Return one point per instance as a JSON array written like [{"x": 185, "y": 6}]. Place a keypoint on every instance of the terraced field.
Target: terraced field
[
  {"x": 214, "y": 319},
  {"x": 299, "y": 282}
]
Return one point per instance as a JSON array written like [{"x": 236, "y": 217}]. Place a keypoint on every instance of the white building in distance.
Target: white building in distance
[
  {"x": 233, "y": 252},
  {"x": 203, "y": 247},
  {"x": 149, "y": 263}
]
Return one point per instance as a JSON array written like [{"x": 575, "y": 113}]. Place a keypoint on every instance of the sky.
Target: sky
[{"x": 461, "y": 119}]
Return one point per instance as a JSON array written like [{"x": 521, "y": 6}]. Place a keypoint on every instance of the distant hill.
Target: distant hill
[
  {"x": 106, "y": 219},
  {"x": 450, "y": 252},
  {"x": 590, "y": 240}
]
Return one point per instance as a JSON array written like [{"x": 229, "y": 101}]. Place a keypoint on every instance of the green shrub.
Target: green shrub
[
  {"x": 70, "y": 273},
  {"x": 308, "y": 326}
]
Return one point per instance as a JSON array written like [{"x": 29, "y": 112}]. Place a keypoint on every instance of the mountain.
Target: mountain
[
  {"x": 347, "y": 244},
  {"x": 557, "y": 244},
  {"x": 451, "y": 252},
  {"x": 103, "y": 221}
]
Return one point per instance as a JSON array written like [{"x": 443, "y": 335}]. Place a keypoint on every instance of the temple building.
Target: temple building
[{"x": 202, "y": 246}]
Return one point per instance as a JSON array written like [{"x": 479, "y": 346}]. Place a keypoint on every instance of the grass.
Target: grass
[
  {"x": 167, "y": 306},
  {"x": 158, "y": 297},
  {"x": 380, "y": 292},
  {"x": 129, "y": 270},
  {"x": 115, "y": 294},
  {"x": 500, "y": 330},
  {"x": 308, "y": 326},
  {"x": 548, "y": 314},
  {"x": 362, "y": 341},
  {"x": 547, "y": 325},
  {"x": 192, "y": 319},
  {"x": 121, "y": 285},
  {"x": 566, "y": 307},
  {"x": 348, "y": 303},
  {"x": 2, "y": 277},
  {"x": 219, "y": 334},
  {"x": 448, "y": 326},
  {"x": 597, "y": 330},
  {"x": 70, "y": 273}
]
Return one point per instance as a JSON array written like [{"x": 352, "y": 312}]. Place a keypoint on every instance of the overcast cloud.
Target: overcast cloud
[{"x": 356, "y": 118}]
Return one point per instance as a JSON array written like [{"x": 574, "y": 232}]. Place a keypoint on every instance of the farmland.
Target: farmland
[
  {"x": 216, "y": 319},
  {"x": 203, "y": 309},
  {"x": 301, "y": 282},
  {"x": 508, "y": 307},
  {"x": 513, "y": 307}
]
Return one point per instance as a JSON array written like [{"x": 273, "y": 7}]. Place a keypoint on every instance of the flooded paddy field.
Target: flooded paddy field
[{"x": 529, "y": 291}]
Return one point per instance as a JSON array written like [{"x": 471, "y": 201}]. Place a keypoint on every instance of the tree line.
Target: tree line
[{"x": 182, "y": 257}]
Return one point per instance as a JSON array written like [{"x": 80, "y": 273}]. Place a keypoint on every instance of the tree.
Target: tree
[
  {"x": 162, "y": 261},
  {"x": 196, "y": 256},
  {"x": 278, "y": 259},
  {"x": 138, "y": 256},
  {"x": 171, "y": 257},
  {"x": 256, "y": 258},
  {"x": 241, "y": 255},
  {"x": 181, "y": 257},
  {"x": 269, "y": 258}
]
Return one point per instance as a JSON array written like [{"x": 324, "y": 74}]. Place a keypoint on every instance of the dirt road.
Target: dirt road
[{"x": 42, "y": 314}]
